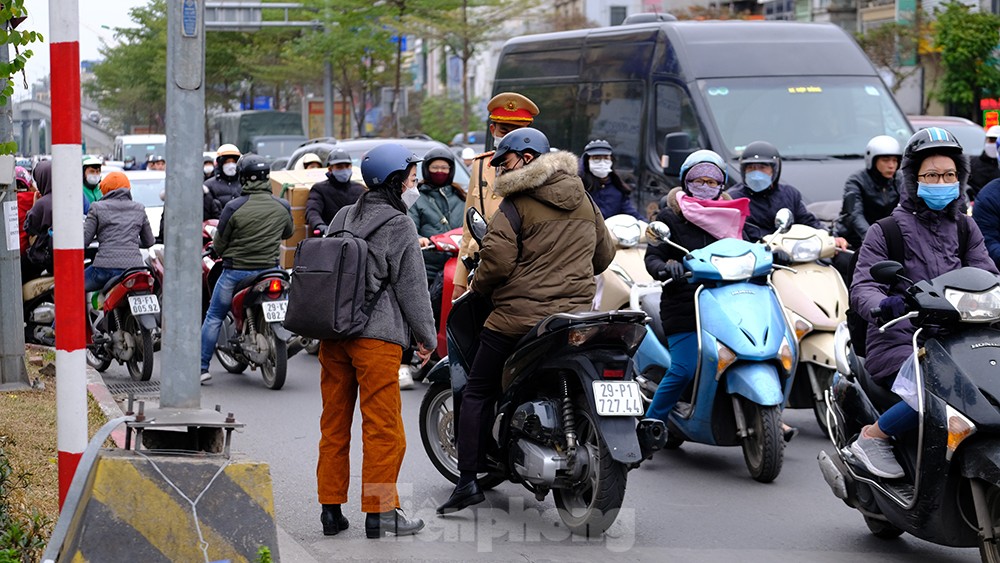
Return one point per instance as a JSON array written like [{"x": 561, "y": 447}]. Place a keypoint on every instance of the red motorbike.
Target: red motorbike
[
  {"x": 124, "y": 323},
  {"x": 448, "y": 243}
]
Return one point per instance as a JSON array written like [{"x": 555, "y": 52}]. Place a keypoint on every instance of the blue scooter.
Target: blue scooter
[{"x": 747, "y": 353}]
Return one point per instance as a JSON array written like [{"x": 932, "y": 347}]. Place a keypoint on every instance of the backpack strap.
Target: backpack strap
[
  {"x": 514, "y": 218},
  {"x": 893, "y": 238},
  {"x": 963, "y": 238}
]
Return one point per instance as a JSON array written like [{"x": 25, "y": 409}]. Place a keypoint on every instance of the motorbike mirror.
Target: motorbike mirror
[
  {"x": 657, "y": 233},
  {"x": 477, "y": 224},
  {"x": 783, "y": 220},
  {"x": 886, "y": 271}
]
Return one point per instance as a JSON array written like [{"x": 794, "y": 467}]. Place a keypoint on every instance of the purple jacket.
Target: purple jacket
[{"x": 930, "y": 240}]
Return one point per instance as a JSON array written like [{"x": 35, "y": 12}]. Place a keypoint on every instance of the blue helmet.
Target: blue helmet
[
  {"x": 518, "y": 141},
  {"x": 383, "y": 161},
  {"x": 704, "y": 155}
]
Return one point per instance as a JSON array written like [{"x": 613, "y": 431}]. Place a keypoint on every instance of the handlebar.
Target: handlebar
[{"x": 889, "y": 324}]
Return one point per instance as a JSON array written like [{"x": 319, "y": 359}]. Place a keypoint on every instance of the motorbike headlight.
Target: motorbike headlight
[
  {"x": 627, "y": 235},
  {"x": 735, "y": 267},
  {"x": 982, "y": 307},
  {"x": 806, "y": 250}
]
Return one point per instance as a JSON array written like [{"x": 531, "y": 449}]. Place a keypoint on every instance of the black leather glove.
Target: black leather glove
[
  {"x": 780, "y": 257},
  {"x": 891, "y": 307},
  {"x": 672, "y": 269}
]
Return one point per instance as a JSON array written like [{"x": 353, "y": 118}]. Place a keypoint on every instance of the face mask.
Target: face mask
[
  {"x": 209, "y": 169},
  {"x": 701, "y": 191},
  {"x": 599, "y": 168},
  {"x": 937, "y": 196},
  {"x": 410, "y": 196},
  {"x": 991, "y": 150},
  {"x": 758, "y": 181},
  {"x": 341, "y": 176},
  {"x": 93, "y": 179},
  {"x": 496, "y": 141},
  {"x": 229, "y": 169},
  {"x": 437, "y": 178}
]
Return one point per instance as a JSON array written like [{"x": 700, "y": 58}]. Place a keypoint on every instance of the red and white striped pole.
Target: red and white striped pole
[{"x": 67, "y": 214}]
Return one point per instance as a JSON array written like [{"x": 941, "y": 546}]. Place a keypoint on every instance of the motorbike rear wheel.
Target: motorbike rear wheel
[
  {"x": 140, "y": 365},
  {"x": 227, "y": 360},
  {"x": 98, "y": 358},
  {"x": 764, "y": 447},
  {"x": 882, "y": 529},
  {"x": 591, "y": 507},
  {"x": 437, "y": 433},
  {"x": 276, "y": 367},
  {"x": 989, "y": 550}
]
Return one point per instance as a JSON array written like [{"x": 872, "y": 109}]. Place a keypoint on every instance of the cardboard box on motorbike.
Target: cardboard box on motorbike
[{"x": 293, "y": 186}]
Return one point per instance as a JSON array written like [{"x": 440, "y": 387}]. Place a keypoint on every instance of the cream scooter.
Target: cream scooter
[
  {"x": 628, "y": 268},
  {"x": 815, "y": 301}
]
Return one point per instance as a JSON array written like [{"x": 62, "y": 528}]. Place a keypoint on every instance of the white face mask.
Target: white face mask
[
  {"x": 599, "y": 168},
  {"x": 991, "y": 149},
  {"x": 410, "y": 196},
  {"x": 496, "y": 141},
  {"x": 209, "y": 169},
  {"x": 229, "y": 169},
  {"x": 93, "y": 179}
]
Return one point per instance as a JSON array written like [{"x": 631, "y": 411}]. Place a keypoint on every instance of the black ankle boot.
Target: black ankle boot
[
  {"x": 333, "y": 519},
  {"x": 394, "y": 522}
]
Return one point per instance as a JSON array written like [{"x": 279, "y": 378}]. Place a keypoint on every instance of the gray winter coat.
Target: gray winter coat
[
  {"x": 121, "y": 227},
  {"x": 394, "y": 254},
  {"x": 930, "y": 240}
]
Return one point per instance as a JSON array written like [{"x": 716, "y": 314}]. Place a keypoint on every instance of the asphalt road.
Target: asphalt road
[{"x": 694, "y": 504}]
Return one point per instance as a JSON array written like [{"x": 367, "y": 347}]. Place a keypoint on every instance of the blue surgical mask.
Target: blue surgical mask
[
  {"x": 758, "y": 181},
  {"x": 342, "y": 176},
  {"x": 937, "y": 196}
]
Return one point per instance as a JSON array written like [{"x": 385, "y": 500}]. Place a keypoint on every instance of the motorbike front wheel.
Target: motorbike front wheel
[
  {"x": 764, "y": 447},
  {"x": 275, "y": 367},
  {"x": 824, "y": 379},
  {"x": 140, "y": 365},
  {"x": 989, "y": 550},
  {"x": 590, "y": 507}
]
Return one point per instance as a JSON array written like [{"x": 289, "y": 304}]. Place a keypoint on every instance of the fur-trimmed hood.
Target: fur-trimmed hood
[
  {"x": 908, "y": 198},
  {"x": 676, "y": 207},
  {"x": 551, "y": 178}
]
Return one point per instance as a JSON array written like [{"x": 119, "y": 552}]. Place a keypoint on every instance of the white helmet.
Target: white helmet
[
  {"x": 882, "y": 145},
  {"x": 993, "y": 132}
]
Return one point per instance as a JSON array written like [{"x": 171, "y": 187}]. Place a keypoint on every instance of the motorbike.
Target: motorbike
[
  {"x": 747, "y": 353},
  {"x": 950, "y": 494},
  {"x": 627, "y": 268},
  {"x": 566, "y": 420},
  {"x": 39, "y": 308},
  {"x": 124, "y": 323},
  {"x": 815, "y": 301}
]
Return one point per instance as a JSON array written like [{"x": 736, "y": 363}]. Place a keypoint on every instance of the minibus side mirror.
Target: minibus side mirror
[{"x": 676, "y": 148}]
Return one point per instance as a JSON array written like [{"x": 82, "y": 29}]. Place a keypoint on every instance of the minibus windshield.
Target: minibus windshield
[{"x": 811, "y": 117}]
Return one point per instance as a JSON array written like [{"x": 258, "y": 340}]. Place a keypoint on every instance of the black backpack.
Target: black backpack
[
  {"x": 857, "y": 326},
  {"x": 326, "y": 299}
]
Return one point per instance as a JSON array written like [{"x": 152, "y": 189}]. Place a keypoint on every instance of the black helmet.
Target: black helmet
[
  {"x": 518, "y": 141},
  {"x": 252, "y": 168},
  {"x": 932, "y": 140},
  {"x": 438, "y": 153},
  {"x": 378, "y": 164},
  {"x": 338, "y": 156},
  {"x": 761, "y": 152},
  {"x": 597, "y": 147}
]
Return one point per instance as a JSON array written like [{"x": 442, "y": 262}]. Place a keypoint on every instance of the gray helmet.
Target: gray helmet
[
  {"x": 597, "y": 147},
  {"x": 882, "y": 145},
  {"x": 338, "y": 156},
  {"x": 518, "y": 141}
]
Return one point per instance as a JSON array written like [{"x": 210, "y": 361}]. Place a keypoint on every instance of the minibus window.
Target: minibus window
[
  {"x": 674, "y": 114},
  {"x": 613, "y": 111}
]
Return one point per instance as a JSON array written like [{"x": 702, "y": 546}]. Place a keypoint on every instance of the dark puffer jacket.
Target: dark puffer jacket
[
  {"x": 986, "y": 212},
  {"x": 868, "y": 197},
  {"x": 326, "y": 198},
  {"x": 219, "y": 190},
  {"x": 121, "y": 227},
  {"x": 930, "y": 241},
  {"x": 984, "y": 171},
  {"x": 766, "y": 204},
  {"x": 563, "y": 244},
  {"x": 677, "y": 301},
  {"x": 252, "y": 227}
]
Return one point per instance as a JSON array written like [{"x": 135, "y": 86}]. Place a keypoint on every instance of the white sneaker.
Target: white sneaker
[
  {"x": 205, "y": 377},
  {"x": 405, "y": 377}
]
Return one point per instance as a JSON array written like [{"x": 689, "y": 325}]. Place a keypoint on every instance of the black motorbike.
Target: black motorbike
[
  {"x": 566, "y": 420},
  {"x": 950, "y": 494}
]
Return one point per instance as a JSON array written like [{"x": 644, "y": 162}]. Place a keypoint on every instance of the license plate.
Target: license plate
[
  {"x": 274, "y": 311},
  {"x": 619, "y": 398},
  {"x": 144, "y": 304}
]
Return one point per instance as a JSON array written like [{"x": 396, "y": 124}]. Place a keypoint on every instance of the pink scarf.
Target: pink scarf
[{"x": 720, "y": 218}]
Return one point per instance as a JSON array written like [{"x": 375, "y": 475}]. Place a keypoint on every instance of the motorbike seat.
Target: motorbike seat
[
  {"x": 115, "y": 280},
  {"x": 881, "y": 397},
  {"x": 561, "y": 321},
  {"x": 650, "y": 304},
  {"x": 249, "y": 281}
]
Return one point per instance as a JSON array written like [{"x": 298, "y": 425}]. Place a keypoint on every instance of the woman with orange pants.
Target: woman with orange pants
[{"x": 368, "y": 365}]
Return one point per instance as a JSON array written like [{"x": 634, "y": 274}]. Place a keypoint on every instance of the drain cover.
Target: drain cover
[{"x": 135, "y": 387}]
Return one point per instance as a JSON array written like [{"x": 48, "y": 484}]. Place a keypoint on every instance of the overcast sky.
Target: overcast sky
[{"x": 93, "y": 15}]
